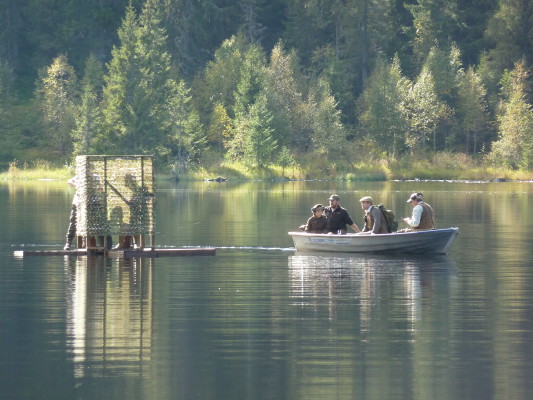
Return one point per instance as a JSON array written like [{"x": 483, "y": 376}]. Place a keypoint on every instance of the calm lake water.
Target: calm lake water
[{"x": 259, "y": 320}]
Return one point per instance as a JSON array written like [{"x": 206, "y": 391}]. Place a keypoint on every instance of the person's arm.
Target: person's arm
[
  {"x": 73, "y": 181},
  {"x": 414, "y": 221},
  {"x": 349, "y": 221},
  {"x": 308, "y": 226},
  {"x": 355, "y": 227}
]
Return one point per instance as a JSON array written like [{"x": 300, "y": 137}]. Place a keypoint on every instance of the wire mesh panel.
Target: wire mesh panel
[{"x": 115, "y": 195}]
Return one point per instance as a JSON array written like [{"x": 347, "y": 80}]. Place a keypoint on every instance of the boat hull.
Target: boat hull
[{"x": 436, "y": 241}]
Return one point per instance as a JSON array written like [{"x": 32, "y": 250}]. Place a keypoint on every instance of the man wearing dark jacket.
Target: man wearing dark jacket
[{"x": 338, "y": 217}]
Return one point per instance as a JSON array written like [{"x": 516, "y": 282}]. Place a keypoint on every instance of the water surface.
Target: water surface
[{"x": 259, "y": 320}]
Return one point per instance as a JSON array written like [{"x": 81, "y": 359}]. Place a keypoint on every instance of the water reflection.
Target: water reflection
[
  {"x": 318, "y": 275},
  {"x": 258, "y": 322},
  {"x": 357, "y": 314},
  {"x": 109, "y": 315}
]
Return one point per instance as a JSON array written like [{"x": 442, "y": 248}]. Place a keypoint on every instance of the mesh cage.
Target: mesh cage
[{"x": 115, "y": 195}]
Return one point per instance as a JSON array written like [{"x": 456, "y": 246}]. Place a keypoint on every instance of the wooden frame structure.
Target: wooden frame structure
[{"x": 115, "y": 196}]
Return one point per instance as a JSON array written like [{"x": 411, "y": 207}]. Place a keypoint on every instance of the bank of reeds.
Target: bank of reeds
[
  {"x": 440, "y": 166},
  {"x": 40, "y": 169}
]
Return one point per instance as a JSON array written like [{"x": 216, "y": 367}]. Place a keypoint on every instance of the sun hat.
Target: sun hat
[
  {"x": 316, "y": 207},
  {"x": 415, "y": 196}
]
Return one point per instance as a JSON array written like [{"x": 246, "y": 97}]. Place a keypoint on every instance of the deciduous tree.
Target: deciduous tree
[
  {"x": 58, "y": 91},
  {"x": 472, "y": 111},
  {"x": 283, "y": 87},
  {"x": 383, "y": 108},
  {"x": 515, "y": 144},
  {"x": 424, "y": 111}
]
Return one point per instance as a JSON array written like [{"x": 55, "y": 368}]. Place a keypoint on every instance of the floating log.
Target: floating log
[{"x": 218, "y": 179}]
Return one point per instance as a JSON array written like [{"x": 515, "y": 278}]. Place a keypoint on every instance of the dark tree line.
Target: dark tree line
[{"x": 201, "y": 82}]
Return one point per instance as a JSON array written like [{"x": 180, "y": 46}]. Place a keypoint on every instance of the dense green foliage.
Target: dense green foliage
[{"x": 322, "y": 84}]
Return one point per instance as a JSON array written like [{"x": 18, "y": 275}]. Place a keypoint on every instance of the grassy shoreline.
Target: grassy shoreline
[{"x": 442, "y": 167}]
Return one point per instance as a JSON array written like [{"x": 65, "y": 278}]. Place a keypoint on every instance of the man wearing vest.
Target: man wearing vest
[
  {"x": 374, "y": 221},
  {"x": 422, "y": 218}
]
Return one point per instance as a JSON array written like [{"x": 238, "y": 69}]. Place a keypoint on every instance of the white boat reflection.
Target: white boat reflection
[
  {"x": 365, "y": 280},
  {"x": 109, "y": 314}
]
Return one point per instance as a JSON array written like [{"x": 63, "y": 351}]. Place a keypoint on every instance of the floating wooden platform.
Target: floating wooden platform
[
  {"x": 156, "y": 253},
  {"x": 127, "y": 253}
]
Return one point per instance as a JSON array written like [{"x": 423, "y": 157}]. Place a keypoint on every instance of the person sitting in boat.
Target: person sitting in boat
[
  {"x": 317, "y": 223},
  {"x": 374, "y": 221},
  {"x": 338, "y": 217},
  {"x": 422, "y": 218}
]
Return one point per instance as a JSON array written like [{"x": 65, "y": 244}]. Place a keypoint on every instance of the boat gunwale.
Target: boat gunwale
[{"x": 365, "y": 235}]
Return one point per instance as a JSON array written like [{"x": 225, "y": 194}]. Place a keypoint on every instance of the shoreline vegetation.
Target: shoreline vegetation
[
  {"x": 440, "y": 167},
  {"x": 298, "y": 93}
]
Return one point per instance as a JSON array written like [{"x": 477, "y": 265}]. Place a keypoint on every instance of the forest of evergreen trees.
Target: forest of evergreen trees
[{"x": 266, "y": 82}]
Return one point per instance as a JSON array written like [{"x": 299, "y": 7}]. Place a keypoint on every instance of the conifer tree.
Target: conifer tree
[
  {"x": 329, "y": 135},
  {"x": 259, "y": 144},
  {"x": 88, "y": 114},
  {"x": 93, "y": 74},
  {"x": 138, "y": 87},
  {"x": 253, "y": 29},
  {"x": 250, "y": 84},
  {"x": 195, "y": 29},
  {"x": 434, "y": 21},
  {"x": 186, "y": 136},
  {"x": 511, "y": 32},
  {"x": 5, "y": 109},
  {"x": 87, "y": 121}
]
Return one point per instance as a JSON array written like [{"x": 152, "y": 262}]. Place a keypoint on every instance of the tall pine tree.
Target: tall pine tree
[{"x": 138, "y": 87}]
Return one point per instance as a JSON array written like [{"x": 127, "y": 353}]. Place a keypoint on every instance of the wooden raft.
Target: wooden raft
[
  {"x": 115, "y": 195},
  {"x": 122, "y": 253}
]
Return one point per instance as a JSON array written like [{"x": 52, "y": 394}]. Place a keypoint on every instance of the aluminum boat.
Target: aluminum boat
[{"x": 437, "y": 241}]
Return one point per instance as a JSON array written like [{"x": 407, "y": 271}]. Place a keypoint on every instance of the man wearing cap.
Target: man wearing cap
[
  {"x": 338, "y": 217},
  {"x": 422, "y": 218},
  {"x": 317, "y": 223},
  {"x": 374, "y": 222}
]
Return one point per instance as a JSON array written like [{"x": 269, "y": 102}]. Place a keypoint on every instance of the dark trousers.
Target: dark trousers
[{"x": 71, "y": 232}]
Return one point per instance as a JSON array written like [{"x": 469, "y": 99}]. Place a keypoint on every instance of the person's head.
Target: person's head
[
  {"x": 317, "y": 210},
  {"x": 415, "y": 198},
  {"x": 129, "y": 180},
  {"x": 366, "y": 202},
  {"x": 334, "y": 200}
]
